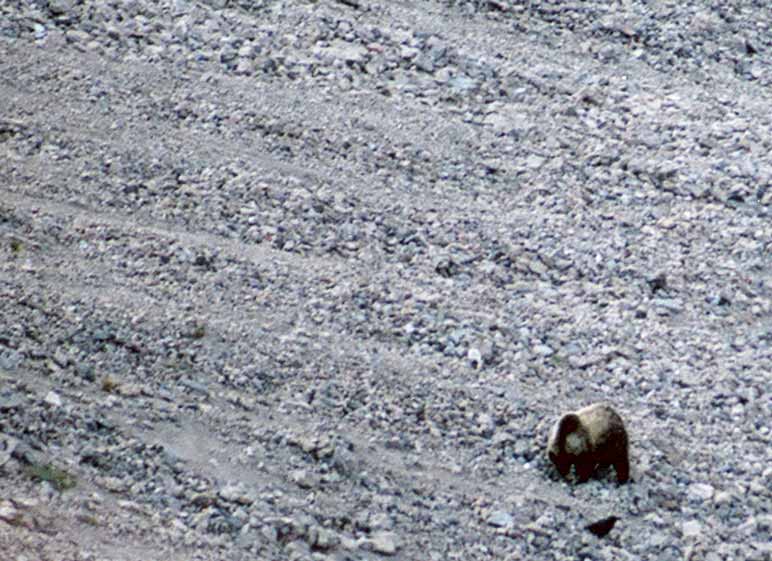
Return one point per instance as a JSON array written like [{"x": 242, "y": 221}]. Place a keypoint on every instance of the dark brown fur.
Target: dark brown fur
[{"x": 590, "y": 437}]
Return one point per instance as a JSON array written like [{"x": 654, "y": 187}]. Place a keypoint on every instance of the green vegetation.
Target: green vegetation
[
  {"x": 88, "y": 519},
  {"x": 16, "y": 247},
  {"x": 58, "y": 478}
]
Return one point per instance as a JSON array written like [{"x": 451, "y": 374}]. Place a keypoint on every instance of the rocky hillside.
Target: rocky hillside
[{"x": 312, "y": 279}]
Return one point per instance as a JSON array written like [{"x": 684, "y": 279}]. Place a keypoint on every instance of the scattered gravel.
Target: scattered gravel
[{"x": 313, "y": 279}]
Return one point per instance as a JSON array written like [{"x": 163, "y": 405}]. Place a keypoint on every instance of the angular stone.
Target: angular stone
[
  {"x": 322, "y": 538},
  {"x": 385, "y": 543},
  {"x": 343, "y": 50},
  {"x": 499, "y": 519},
  {"x": 302, "y": 479},
  {"x": 475, "y": 357},
  {"x": 701, "y": 491},
  {"x": 236, "y": 494},
  {"x": 7, "y": 446},
  {"x": 691, "y": 529},
  {"x": 53, "y": 399},
  {"x": 9, "y": 513},
  {"x": 543, "y": 350}
]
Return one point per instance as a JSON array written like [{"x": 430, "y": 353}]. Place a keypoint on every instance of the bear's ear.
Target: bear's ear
[{"x": 569, "y": 423}]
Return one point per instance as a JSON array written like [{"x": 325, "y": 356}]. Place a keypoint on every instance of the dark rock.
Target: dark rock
[{"x": 603, "y": 526}]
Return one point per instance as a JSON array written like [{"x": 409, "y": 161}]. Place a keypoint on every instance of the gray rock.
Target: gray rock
[
  {"x": 59, "y": 7},
  {"x": 54, "y": 399},
  {"x": 322, "y": 539},
  {"x": 385, "y": 543},
  {"x": 667, "y": 305},
  {"x": 722, "y": 498},
  {"x": 462, "y": 85},
  {"x": 195, "y": 386},
  {"x": 344, "y": 51},
  {"x": 424, "y": 62},
  {"x": 10, "y": 402},
  {"x": 10, "y": 359},
  {"x": 303, "y": 479},
  {"x": 7, "y": 446},
  {"x": 701, "y": 491},
  {"x": 475, "y": 357},
  {"x": 236, "y": 493},
  {"x": 691, "y": 529},
  {"x": 543, "y": 350},
  {"x": 380, "y": 521},
  {"x": 10, "y": 514},
  {"x": 500, "y": 519}
]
